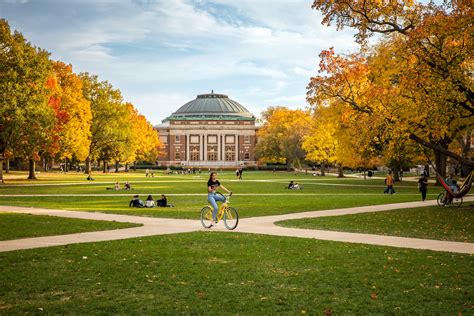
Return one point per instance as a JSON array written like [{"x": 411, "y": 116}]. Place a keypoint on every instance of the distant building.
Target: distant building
[{"x": 211, "y": 131}]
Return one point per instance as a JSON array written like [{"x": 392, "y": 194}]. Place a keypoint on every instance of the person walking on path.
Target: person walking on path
[
  {"x": 212, "y": 185},
  {"x": 423, "y": 186},
  {"x": 241, "y": 170},
  {"x": 389, "y": 184}
]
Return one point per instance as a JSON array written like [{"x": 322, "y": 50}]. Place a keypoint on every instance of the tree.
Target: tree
[
  {"x": 282, "y": 135},
  {"x": 73, "y": 115},
  {"x": 25, "y": 116},
  {"x": 145, "y": 142},
  {"x": 435, "y": 44},
  {"x": 107, "y": 118},
  {"x": 330, "y": 141}
]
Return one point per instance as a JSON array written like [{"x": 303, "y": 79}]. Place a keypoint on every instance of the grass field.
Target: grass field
[
  {"x": 238, "y": 274},
  {"x": 15, "y": 226},
  {"x": 222, "y": 273},
  {"x": 259, "y": 194},
  {"x": 433, "y": 222}
]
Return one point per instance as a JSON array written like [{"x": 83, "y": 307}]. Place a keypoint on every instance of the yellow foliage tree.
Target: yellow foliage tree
[{"x": 281, "y": 136}]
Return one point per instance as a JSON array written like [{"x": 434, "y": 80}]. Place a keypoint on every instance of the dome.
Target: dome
[{"x": 212, "y": 106}]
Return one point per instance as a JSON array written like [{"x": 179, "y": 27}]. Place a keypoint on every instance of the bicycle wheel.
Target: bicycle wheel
[
  {"x": 457, "y": 202},
  {"x": 231, "y": 218},
  {"x": 441, "y": 199},
  {"x": 206, "y": 216}
]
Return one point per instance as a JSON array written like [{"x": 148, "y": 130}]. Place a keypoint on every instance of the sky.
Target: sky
[{"x": 162, "y": 54}]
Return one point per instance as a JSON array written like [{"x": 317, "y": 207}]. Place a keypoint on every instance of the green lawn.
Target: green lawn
[
  {"x": 432, "y": 222},
  {"x": 233, "y": 273},
  {"x": 15, "y": 226},
  {"x": 221, "y": 273},
  {"x": 259, "y": 194}
]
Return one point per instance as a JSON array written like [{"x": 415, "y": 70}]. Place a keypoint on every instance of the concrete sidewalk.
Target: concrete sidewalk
[{"x": 256, "y": 225}]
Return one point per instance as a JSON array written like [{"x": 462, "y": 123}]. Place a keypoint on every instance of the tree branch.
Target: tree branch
[{"x": 465, "y": 162}]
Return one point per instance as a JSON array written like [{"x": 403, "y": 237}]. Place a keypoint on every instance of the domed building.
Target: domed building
[{"x": 209, "y": 131}]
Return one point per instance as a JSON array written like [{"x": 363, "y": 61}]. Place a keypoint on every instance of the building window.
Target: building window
[
  {"x": 246, "y": 139},
  {"x": 212, "y": 139},
  {"x": 247, "y": 156},
  {"x": 194, "y": 139},
  {"x": 230, "y": 153},
  {"x": 177, "y": 155},
  {"x": 212, "y": 153},
  {"x": 194, "y": 153},
  {"x": 176, "y": 138},
  {"x": 230, "y": 139}
]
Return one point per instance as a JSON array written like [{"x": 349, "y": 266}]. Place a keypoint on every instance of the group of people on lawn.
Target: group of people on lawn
[{"x": 150, "y": 202}]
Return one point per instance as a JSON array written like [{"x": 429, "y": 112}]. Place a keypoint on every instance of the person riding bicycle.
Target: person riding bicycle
[{"x": 212, "y": 185}]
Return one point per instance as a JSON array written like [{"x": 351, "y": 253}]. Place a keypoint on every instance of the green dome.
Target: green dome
[{"x": 212, "y": 106}]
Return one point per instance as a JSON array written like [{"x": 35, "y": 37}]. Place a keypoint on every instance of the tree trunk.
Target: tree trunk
[
  {"x": 104, "y": 169},
  {"x": 340, "y": 171},
  {"x": 126, "y": 167},
  {"x": 134, "y": 166},
  {"x": 88, "y": 166},
  {"x": 323, "y": 169},
  {"x": 440, "y": 164},
  {"x": 1, "y": 169},
  {"x": 288, "y": 165},
  {"x": 31, "y": 169},
  {"x": 396, "y": 174},
  {"x": 116, "y": 166},
  {"x": 7, "y": 165},
  {"x": 18, "y": 164},
  {"x": 427, "y": 168}
]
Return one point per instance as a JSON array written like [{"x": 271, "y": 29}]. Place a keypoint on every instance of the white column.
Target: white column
[
  {"x": 205, "y": 147},
  {"x": 236, "y": 147},
  {"x": 187, "y": 147}
]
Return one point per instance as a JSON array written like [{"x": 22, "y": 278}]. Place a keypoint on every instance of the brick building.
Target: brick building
[{"x": 210, "y": 131}]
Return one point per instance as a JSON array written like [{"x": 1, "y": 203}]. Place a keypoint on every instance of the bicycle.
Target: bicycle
[
  {"x": 225, "y": 212},
  {"x": 443, "y": 200}
]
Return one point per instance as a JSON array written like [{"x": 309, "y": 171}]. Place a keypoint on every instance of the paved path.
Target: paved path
[{"x": 257, "y": 225}]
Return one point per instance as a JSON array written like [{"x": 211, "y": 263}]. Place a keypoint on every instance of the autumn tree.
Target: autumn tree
[
  {"x": 282, "y": 135},
  {"x": 26, "y": 119},
  {"x": 109, "y": 126},
  {"x": 71, "y": 133},
  {"x": 145, "y": 142},
  {"x": 330, "y": 139},
  {"x": 432, "y": 92}
]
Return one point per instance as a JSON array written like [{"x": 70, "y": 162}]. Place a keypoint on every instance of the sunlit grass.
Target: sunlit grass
[
  {"x": 221, "y": 273},
  {"x": 15, "y": 226}
]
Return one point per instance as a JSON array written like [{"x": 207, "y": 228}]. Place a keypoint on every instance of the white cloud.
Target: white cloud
[{"x": 160, "y": 54}]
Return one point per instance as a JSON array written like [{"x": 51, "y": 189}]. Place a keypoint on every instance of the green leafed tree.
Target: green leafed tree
[{"x": 26, "y": 118}]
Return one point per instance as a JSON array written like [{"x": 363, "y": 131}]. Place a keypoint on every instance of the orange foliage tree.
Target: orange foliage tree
[{"x": 417, "y": 80}]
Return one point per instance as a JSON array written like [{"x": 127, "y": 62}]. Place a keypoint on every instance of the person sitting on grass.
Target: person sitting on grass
[
  {"x": 291, "y": 185},
  {"x": 89, "y": 178},
  {"x": 136, "y": 202},
  {"x": 117, "y": 186},
  {"x": 127, "y": 186},
  {"x": 163, "y": 202},
  {"x": 150, "y": 202}
]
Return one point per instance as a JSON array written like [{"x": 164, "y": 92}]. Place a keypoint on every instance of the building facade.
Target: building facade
[{"x": 211, "y": 131}]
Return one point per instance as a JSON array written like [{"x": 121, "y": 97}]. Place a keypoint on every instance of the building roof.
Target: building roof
[{"x": 212, "y": 106}]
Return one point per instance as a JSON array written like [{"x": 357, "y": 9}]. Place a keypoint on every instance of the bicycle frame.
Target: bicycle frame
[
  {"x": 225, "y": 212},
  {"x": 223, "y": 208}
]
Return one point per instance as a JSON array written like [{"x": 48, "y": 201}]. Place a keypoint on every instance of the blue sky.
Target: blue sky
[{"x": 161, "y": 54}]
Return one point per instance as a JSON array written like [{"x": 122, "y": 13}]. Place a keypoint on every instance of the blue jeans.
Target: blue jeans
[{"x": 213, "y": 199}]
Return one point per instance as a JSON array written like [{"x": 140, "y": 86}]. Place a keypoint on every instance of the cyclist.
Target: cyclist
[{"x": 212, "y": 197}]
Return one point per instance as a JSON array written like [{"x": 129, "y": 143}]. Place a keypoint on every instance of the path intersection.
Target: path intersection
[{"x": 255, "y": 225}]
